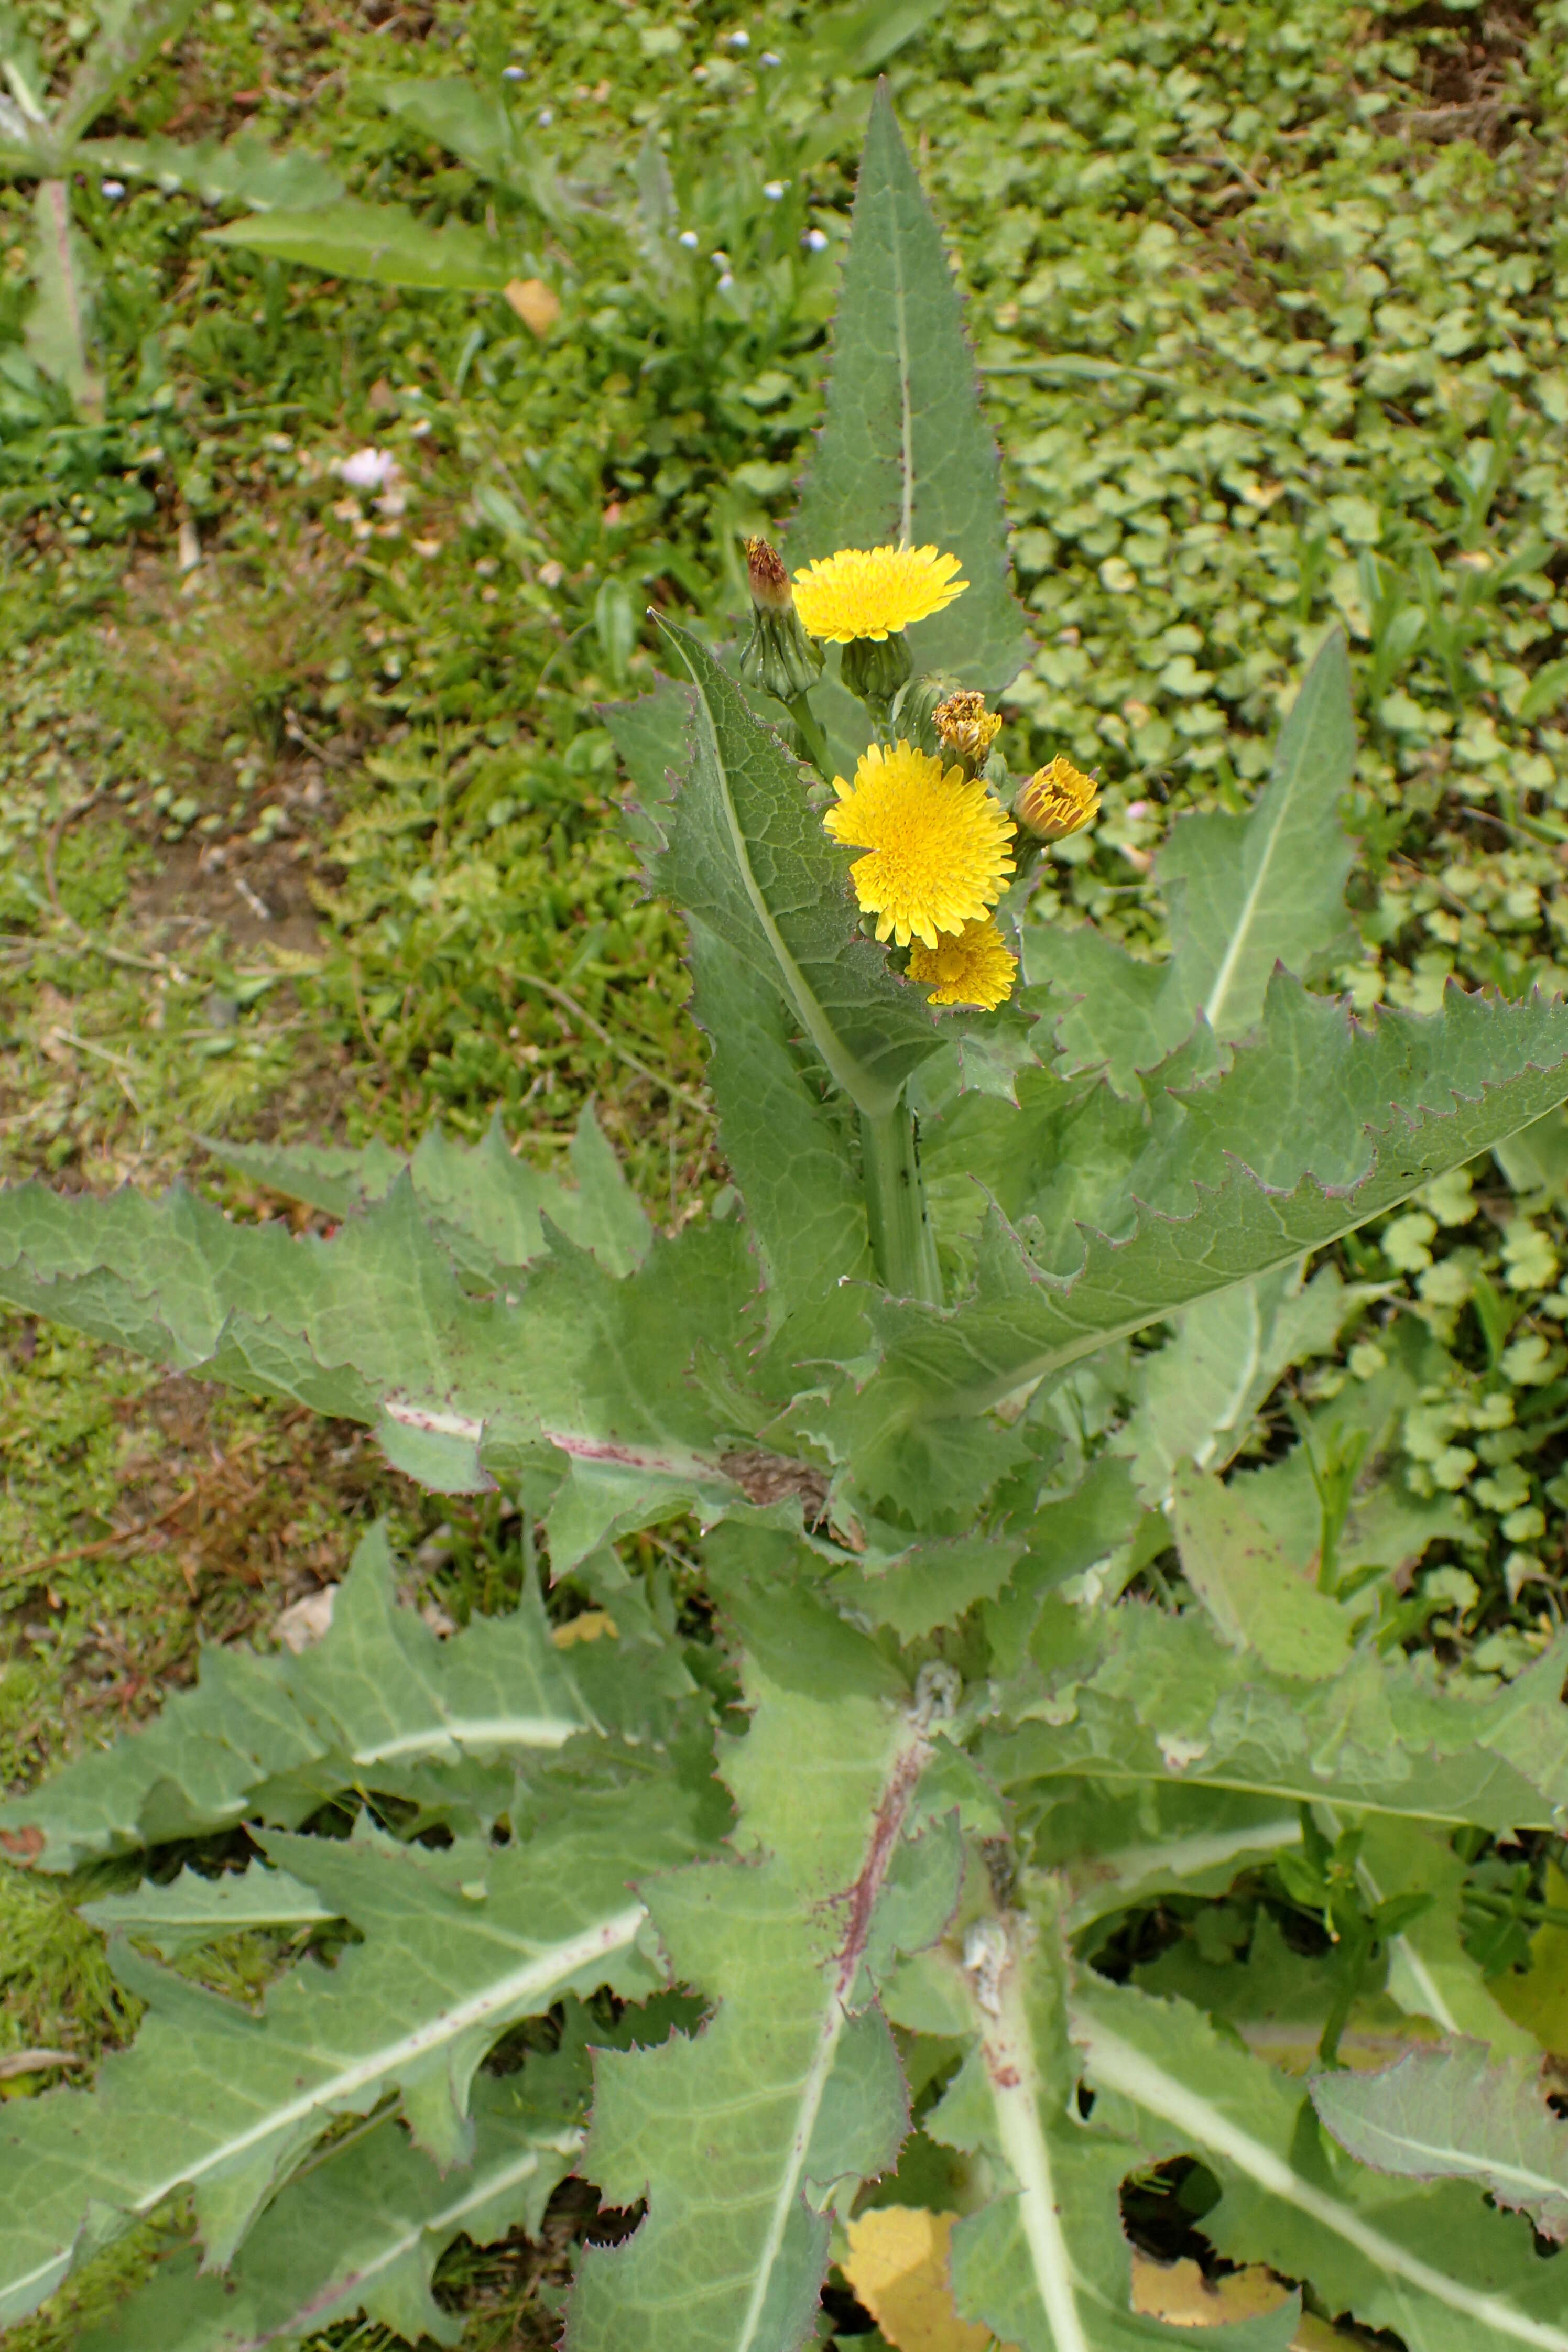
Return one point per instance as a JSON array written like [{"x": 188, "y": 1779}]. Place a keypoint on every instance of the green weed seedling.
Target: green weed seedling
[{"x": 775, "y": 1861}]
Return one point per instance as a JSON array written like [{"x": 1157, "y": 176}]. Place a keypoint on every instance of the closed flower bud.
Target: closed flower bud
[
  {"x": 779, "y": 658},
  {"x": 914, "y": 710},
  {"x": 1056, "y": 801},
  {"x": 771, "y": 590},
  {"x": 875, "y": 668}
]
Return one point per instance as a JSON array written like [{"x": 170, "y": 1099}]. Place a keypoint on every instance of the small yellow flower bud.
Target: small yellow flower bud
[
  {"x": 966, "y": 728},
  {"x": 1056, "y": 801}
]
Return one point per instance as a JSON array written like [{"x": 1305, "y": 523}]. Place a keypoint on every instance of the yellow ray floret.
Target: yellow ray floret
[
  {"x": 874, "y": 591},
  {"x": 937, "y": 843},
  {"x": 975, "y": 968}
]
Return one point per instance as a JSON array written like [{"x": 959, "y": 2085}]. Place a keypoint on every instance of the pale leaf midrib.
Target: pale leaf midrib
[
  {"x": 556, "y": 1964},
  {"x": 871, "y": 1094},
  {"x": 1214, "y": 1005},
  {"x": 1119, "y": 2066}
]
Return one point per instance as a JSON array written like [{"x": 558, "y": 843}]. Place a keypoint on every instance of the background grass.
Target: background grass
[{"x": 308, "y": 824}]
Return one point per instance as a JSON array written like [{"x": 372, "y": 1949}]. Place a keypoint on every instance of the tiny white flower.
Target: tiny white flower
[
  {"x": 816, "y": 240},
  {"x": 688, "y": 239},
  {"x": 719, "y": 258},
  {"x": 112, "y": 188},
  {"x": 727, "y": 280},
  {"x": 545, "y": 117},
  {"x": 514, "y": 73},
  {"x": 774, "y": 190},
  {"x": 769, "y": 57},
  {"x": 369, "y": 469},
  {"x": 739, "y": 40}
]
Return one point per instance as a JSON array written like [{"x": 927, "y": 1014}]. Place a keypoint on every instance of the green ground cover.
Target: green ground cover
[{"x": 307, "y": 819}]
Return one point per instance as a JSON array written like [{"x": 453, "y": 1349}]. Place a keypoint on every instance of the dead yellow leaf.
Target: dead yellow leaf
[
  {"x": 591, "y": 1626},
  {"x": 897, "y": 2265},
  {"x": 1179, "y": 2294},
  {"x": 536, "y": 304}
]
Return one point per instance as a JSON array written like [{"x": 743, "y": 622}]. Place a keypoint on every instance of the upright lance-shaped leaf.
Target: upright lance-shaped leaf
[
  {"x": 737, "y": 2137},
  {"x": 1457, "y": 2115},
  {"x": 362, "y": 2231},
  {"x": 1245, "y": 893},
  {"x": 788, "y": 1149},
  {"x": 905, "y": 457},
  {"x": 224, "y": 2101},
  {"x": 1433, "y": 2264},
  {"x": 747, "y": 856}
]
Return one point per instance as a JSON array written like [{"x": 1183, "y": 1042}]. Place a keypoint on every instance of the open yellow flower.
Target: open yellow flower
[
  {"x": 937, "y": 843},
  {"x": 874, "y": 591},
  {"x": 975, "y": 968}
]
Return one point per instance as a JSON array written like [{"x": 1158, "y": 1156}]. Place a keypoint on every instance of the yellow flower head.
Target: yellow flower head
[
  {"x": 975, "y": 968},
  {"x": 937, "y": 843},
  {"x": 1056, "y": 801},
  {"x": 874, "y": 591},
  {"x": 965, "y": 727}
]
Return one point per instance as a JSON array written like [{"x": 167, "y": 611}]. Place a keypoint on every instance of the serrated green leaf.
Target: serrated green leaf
[
  {"x": 129, "y": 33},
  {"x": 1432, "y": 2265},
  {"x": 905, "y": 457},
  {"x": 225, "y": 2102},
  {"x": 1430, "y": 1974},
  {"x": 1167, "y": 1700},
  {"x": 736, "y": 2138},
  {"x": 1456, "y": 2114},
  {"x": 1257, "y": 1600},
  {"x": 275, "y": 1736},
  {"x": 930, "y": 1584},
  {"x": 1109, "y": 1011},
  {"x": 473, "y": 123},
  {"x": 789, "y": 1150},
  {"x": 383, "y": 243},
  {"x": 748, "y": 857},
  {"x": 189, "y": 1911},
  {"x": 1244, "y": 892},
  {"x": 1318, "y": 1124},
  {"x": 1043, "y": 2262},
  {"x": 375, "y": 1325},
  {"x": 470, "y": 1194},
  {"x": 362, "y": 2231},
  {"x": 1198, "y": 1393},
  {"x": 243, "y": 171},
  {"x": 1113, "y": 1848}
]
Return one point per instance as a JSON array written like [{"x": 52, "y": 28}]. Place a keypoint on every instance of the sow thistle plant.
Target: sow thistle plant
[{"x": 983, "y": 1838}]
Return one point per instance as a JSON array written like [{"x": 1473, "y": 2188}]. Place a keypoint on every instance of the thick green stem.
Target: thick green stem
[
  {"x": 813, "y": 741},
  {"x": 902, "y": 1242}
]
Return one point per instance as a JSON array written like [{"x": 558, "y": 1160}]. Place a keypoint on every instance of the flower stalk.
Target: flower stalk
[{"x": 902, "y": 1242}]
